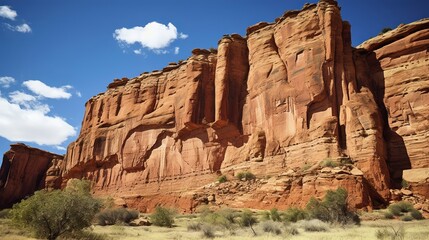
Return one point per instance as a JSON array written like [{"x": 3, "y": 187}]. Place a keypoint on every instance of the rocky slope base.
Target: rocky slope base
[{"x": 277, "y": 102}]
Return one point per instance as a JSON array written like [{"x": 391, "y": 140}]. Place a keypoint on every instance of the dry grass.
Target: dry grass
[{"x": 416, "y": 230}]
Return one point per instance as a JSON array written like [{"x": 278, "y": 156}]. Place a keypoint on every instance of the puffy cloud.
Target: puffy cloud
[
  {"x": 79, "y": 94},
  {"x": 6, "y": 81},
  {"x": 32, "y": 125},
  {"x": 183, "y": 36},
  {"x": 138, "y": 51},
  {"x": 7, "y": 12},
  {"x": 154, "y": 36},
  {"x": 46, "y": 91},
  {"x": 24, "y": 28},
  {"x": 28, "y": 101},
  {"x": 159, "y": 51},
  {"x": 176, "y": 50}
]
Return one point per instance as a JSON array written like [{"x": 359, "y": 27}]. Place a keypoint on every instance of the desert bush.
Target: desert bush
[
  {"x": 113, "y": 216},
  {"x": 390, "y": 233},
  {"x": 399, "y": 208},
  {"x": 275, "y": 215},
  {"x": 314, "y": 225},
  {"x": 388, "y": 215},
  {"x": 194, "y": 226},
  {"x": 294, "y": 214},
  {"x": 52, "y": 214},
  {"x": 246, "y": 176},
  {"x": 5, "y": 213},
  {"x": 247, "y": 219},
  {"x": 333, "y": 208},
  {"x": 208, "y": 231},
  {"x": 416, "y": 214},
  {"x": 163, "y": 217},
  {"x": 329, "y": 163},
  {"x": 271, "y": 226},
  {"x": 385, "y": 30},
  {"x": 222, "y": 179},
  {"x": 292, "y": 230},
  {"x": 224, "y": 218}
]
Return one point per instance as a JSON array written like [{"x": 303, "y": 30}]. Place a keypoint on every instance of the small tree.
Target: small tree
[
  {"x": 247, "y": 219},
  {"x": 333, "y": 208},
  {"x": 51, "y": 214},
  {"x": 163, "y": 217}
]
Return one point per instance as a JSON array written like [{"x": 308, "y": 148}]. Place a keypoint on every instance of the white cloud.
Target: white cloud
[
  {"x": 32, "y": 125},
  {"x": 159, "y": 51},
  {"x": 176, "y": 50},
  {"x": 138, "y": 51},
  {"x": 79, "y": 94},
  {"x": 27, "y": 101},
  {"x": 6, "y": 81},
  {"x": 44, "y": 90},
  {"x": 7, "y": 12},
  {"x": 24, "y": 28},
  {"x": 61, "y": 148},
  {"x": 154, "y": 36},
  {"x": 183, "y": 36}
]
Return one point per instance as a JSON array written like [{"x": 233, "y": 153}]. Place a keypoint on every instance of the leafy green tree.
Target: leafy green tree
[{"x": 52, "y": 214}]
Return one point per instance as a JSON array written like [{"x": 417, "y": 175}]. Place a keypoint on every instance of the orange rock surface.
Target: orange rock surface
[{"x": 279, "y": 102}]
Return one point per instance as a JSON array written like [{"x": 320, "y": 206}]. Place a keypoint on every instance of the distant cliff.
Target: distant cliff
[{"x": 279, "y": 102}]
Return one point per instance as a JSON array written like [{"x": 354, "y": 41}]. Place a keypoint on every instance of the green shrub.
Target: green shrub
[
  {"x": 266, "y": 215},
  {"x": 113, "y": 216},
  {"x": 416, "y": 214},
  {"x": 329, "y": 163},
  {"x": 399, "y": 208},
  {"x": 222, "y": 179},
  {"x": 388, "y": 215},
  {"x": 275, "y": 215},
  {"x": 294, "y": 214},
  {"x": 271, "y": 227},
  {"x": 246, "y": 176},
  {"x": 224, "y": 218},
  {"x": 247, "y": 219},
  {"x": 407, "y": 218},
  {"x": 333, "y": 208},
  {"x": 385, "y": 30},
  {"x": 55, "y": 213},
  {"x": 163, "y": 217},
  {"x": 314, "y": 225}
]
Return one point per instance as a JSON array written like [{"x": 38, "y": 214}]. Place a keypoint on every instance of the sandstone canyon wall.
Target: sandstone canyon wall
[
  {"x": 277, "y": 102},
  {"x": 23, "y": 171}
]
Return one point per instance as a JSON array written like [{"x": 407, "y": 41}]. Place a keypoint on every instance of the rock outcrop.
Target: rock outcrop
[
  {"x": 278, "y": 102},
  {"x": 23, "y": 171}
]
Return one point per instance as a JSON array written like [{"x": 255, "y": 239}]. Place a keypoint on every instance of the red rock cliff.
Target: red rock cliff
[
  {"x": 23, "y": 171},
  {"x": 279, "y": 102}
]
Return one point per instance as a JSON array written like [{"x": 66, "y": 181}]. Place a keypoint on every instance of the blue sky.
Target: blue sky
[{"x": 56, "y": 54}]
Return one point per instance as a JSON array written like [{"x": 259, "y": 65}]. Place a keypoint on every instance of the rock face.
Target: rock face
[
  {"x": 279, "y": 102},
  {"x": 23, "y": 171}
]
